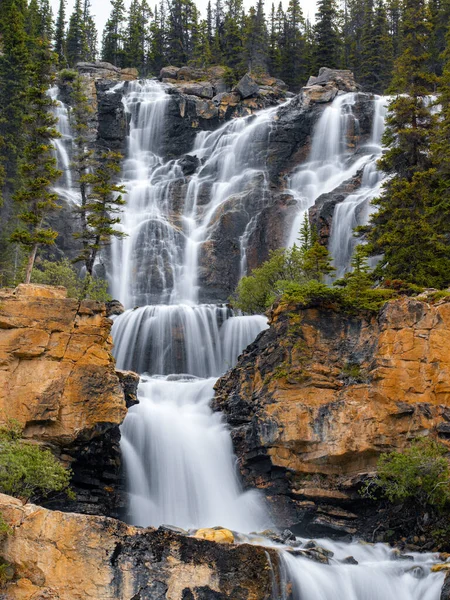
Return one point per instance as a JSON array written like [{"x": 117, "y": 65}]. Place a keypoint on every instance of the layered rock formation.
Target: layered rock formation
[
  {"x": 316, "y": 399},
  {"x": 65, "y": 556},
  {"x": 58, "y": 380}
]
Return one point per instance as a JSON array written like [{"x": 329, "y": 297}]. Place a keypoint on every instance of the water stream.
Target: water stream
[{"x": 178, "y": 454}]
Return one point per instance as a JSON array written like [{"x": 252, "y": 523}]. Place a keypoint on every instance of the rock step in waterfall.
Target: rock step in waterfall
[{"x": 178, "y": 454}]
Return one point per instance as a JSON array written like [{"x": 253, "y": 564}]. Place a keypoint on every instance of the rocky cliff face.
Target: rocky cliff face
[
  {"x": 58, "y": 379},
  {"x": 316, "y": 399},
  {"x": 65, "y": 556}
]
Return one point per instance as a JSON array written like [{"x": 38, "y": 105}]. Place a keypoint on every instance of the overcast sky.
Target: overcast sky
[{"x": 101, "y": 8}]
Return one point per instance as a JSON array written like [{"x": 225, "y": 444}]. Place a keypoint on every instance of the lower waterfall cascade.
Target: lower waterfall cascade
[{"x": 178, "y": 455}]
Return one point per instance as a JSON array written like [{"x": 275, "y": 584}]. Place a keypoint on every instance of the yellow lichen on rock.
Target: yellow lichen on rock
[{"x": 221, "y": 536}]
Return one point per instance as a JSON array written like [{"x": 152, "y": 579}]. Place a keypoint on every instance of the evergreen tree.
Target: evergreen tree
[
  {"x": 294, "y": 69},
  {"x": 60, "y": 36},
  {"x": 403, "y": 231},
  {"x": 202, "y": 55},
  {"x": 90, "y": 33},
  {"x": 233, "y": 43},
  {"x": 76, "y": 42},
  {"x": 182, "y": 27},
  {"x": 113, "y": 35},
  {"x": 104, "y": 203},
  {"x": 256, "y": 40},
  {"x": 328, "y": 41},
  {"x": 14, "y": 67},
  {"x": 394, "y": 11},
  {"x": 439, "y": 19},
  {"x": 157, "y": 49},
  {"x": 136, "y": 44},
  {"x": 38, "y": 170}
]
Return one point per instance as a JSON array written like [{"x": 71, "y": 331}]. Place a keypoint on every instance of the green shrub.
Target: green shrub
[
  {"x": 306, "y": 293},
  {"x": 68, "y": 75},
  {"x": 419, "y": 473},
  {"x": 63, "y": 273},
  {"x": 27, "y": 471}
]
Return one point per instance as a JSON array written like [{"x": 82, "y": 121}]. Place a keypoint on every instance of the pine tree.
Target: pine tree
[
  {"x": 294, "y": 70},
  {"x": 403, "y": 231},
  {"x": 113, "y": 35},
  {"x": 201, "y": 54},
  {"x": 38, "y": 169},
  {"x": 233, "y": 43},
  {"x": 76, "y": 42},
  {"x": 104, "y": 203},
  {"x": 90, "y": 33},
  {"x": 60, "y": 35},
  {"x": 157, "y": 49},
  {"x": 14, "y": 72},
  {"x": 328, "y": 42},
  {"x": 136, "y": 44},
  {"x": 256, "y": 40}
]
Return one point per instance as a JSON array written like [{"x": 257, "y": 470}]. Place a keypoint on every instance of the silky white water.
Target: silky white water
[
  {"x": 178, "y": 454},
  {"x": 376, "y": 576},
  {"x": 63, "y": 148},
  {"x": 331, "y": 162}
]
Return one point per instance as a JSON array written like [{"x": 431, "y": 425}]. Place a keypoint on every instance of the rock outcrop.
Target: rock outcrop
[
  {"x": 58, "y": 380},
  {"x": 65, "y": 556},
  {"x": 316, "y": 399}
]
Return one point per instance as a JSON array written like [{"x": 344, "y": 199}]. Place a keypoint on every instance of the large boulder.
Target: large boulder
[
  {"x": 342, "y": 79},
  {"x": 247, "y": 87},
  {"x": 65, "y": 556}
]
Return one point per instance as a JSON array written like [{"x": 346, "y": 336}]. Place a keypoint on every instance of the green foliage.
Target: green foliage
[
  {"x": 419, "y": 473},
  {"x": 38, "y": 167},
  {"x": 27, "y": 471},
  {"x": 311, "y": 292},
  {"x": 64, "y": 274},
  {"x": 68, "y": 75}
]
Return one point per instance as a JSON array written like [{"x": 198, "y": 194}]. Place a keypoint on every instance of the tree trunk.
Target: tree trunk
[{"x": 30, "y": 264}]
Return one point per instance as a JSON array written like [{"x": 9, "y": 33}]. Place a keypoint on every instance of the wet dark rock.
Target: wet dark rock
[
  {"x": 343, "y": 80},
  {"x": 445, "y": 593},
  {"x": 129, "y": 382},
  {"x": 349, "y": 560},
  {"x": 114, "y": 307},
  {"x": 321, "y": 214},
  {"x": 112, "y": 120},
  {"x": 247, "y": 87},
  {"x": 189, "y": 164}
]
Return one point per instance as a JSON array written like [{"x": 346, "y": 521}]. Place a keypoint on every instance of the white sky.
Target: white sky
[{"x": 101, "y": 8}]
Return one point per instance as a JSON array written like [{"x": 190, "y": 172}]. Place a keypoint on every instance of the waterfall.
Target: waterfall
[
  {"x": 177, "y": 453},
  {"x": 63, "y": 147},
  {"x": 331, "y": 162},
  {"x": 377, "y": 576},
  {"x": 356, "y": 209}
]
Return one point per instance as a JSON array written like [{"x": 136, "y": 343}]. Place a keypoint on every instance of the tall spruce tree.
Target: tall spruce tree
[
  {"x": 137, "y": 36},
  {"x": 294, "y": 68},
  {"x": 38, "y": 167},
  {"x": 114, "y": 34},
  {"x": 60, "y": 33},
  {"x": 327, "y": 35},
  {"x": 100, "y": 213},
  {"x": 402, "y": 230},
  {"x": 76, "y": 42},
  {"x": 14, "y": 79}
]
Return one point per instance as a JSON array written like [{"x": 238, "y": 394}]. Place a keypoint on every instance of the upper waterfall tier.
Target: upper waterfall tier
[{"x": 196, "y": 224}]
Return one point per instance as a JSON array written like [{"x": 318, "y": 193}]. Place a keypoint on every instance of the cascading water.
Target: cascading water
[
  {"x": 376, "y": 576},
  {"x": 332, "y": 161},
  {"x": 355, "y": 209},
  {"x": 63, "y": 146},
  {"x": 177, "y": 452}
]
